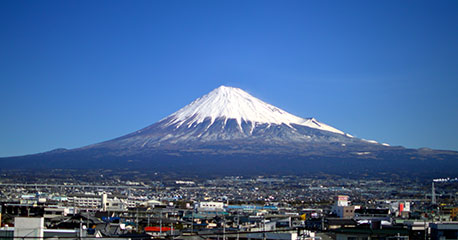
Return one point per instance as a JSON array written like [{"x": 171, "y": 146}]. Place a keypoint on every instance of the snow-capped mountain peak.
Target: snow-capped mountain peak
[{"x": 234, "y": 103}]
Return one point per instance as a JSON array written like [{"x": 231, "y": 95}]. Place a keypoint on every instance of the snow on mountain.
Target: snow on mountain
[
  {"x": 234, "y": 103},
  {"x": 228, "y": 131}
]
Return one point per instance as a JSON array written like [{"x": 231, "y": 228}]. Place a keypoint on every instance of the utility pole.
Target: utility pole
[
  {"x": 192, "y": 222},
  {"x": 172, "y": 230},
  {"x": 160, "y": 223},
  {"x": 264, "y": 227},
  {"x": 238, "y": 227},
  {"x": 136, "y": 219},
  {"x": 433, "y": 194},
  {"x": 425, "y": 227},
  {"x": 81, "y": 229},
  {"x": 224, "y": 227}
]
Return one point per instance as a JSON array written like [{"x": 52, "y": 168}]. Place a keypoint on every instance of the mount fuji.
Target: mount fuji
[{"x": 228, "y": 131}]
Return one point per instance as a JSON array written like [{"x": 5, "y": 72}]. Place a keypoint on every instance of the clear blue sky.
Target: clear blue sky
[{"x": 73, "y": 73}]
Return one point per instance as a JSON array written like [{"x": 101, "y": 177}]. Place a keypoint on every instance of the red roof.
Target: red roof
[{"x": 157, "y": 229}]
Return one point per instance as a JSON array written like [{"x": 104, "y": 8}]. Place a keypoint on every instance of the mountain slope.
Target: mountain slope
[
  {"x": 229, "y": 131},
  {"x": 234, "y": 103},
  {"x": 228, "y": 113}
]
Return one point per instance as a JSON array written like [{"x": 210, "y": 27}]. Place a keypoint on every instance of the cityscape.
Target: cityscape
[{"x": 138, "y": 205}]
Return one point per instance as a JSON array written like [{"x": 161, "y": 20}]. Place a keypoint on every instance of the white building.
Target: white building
[
  {"x": 342, "y": 208},
  {"x": 85, "y": 201},
  {"x": 210, "y": 207},
  {"x": 104, "y": 202}
]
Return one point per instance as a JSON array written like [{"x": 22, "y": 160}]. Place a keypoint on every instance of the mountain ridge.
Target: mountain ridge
[
  {"x": 230, "y": 131},
  {"x": 234, "y": 103}
]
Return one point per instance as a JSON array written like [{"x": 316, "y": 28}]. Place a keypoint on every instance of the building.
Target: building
[
  {"x": 370, "y": 233},
  {"x": 104, "y": 202},
  {"x": 342, "y": 209},
  {"x": 210, "y": 207},
  {"x": 447, "y": 230},
  {"x": 85, "y": 201}
]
